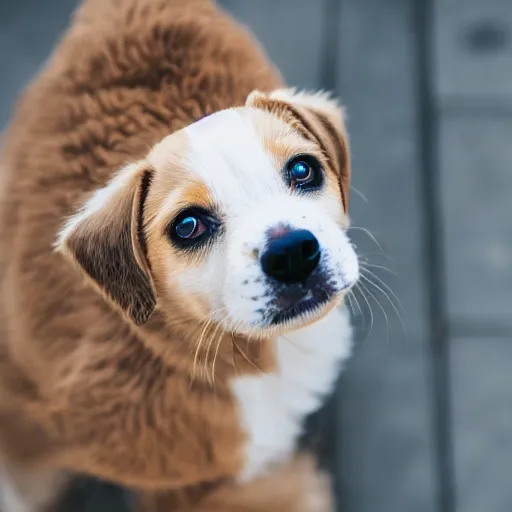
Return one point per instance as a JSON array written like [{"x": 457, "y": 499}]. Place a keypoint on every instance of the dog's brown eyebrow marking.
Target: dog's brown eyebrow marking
[{"x": 197, "y": 194}]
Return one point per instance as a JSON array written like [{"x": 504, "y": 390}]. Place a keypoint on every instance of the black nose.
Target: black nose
[{"x": 292, "y": 257}]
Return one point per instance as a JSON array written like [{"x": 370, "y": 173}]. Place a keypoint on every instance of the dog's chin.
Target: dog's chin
[
  {"x": 303, "y": 313},
  {"x": 294, "y": 308}
]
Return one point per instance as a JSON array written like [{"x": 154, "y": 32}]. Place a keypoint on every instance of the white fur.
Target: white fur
[
  {"x": 273, "y": 406},
  {"x": 229, "y": 156}
]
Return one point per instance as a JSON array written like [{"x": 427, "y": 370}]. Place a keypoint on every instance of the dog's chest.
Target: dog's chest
[{"x": 273, "y": 406}]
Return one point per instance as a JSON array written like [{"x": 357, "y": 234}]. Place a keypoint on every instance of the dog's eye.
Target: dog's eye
[
  {"x": 304, "y": 173},
  {"x": 190, "y": 227},
  {"x": 301, "y": 171}
]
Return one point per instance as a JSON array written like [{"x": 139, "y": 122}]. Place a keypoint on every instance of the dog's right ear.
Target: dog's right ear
[{"x": 106, "y": 240}]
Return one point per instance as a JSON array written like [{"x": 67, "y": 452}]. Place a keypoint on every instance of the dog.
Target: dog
[{"x": 173, "y": 264}]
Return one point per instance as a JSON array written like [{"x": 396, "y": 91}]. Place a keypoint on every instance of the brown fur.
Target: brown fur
[
  {"x": 81, "y": 388},
  {"x": 297, "y": 486}
]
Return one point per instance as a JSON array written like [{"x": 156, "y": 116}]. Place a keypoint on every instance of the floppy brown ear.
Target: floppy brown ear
[
  {"x": 319, "y": 118},
  {"x": 105, "y": 239}
]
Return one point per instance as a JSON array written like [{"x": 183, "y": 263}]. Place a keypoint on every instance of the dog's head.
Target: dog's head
[{"x": 239, "y": 218}]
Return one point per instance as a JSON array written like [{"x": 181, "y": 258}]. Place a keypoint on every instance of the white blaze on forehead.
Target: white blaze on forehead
[{"x": 228, "y": 155}]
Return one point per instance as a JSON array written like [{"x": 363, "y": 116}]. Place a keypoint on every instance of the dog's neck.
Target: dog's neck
[{"x": 205, "y": 351}]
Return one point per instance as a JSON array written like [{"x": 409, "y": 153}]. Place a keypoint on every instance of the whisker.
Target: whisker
[
  {"x": 259, "y": 339},
  {"x": 380, "y": 306},
  {"x": 379, "y": 254},
  {"x": 365, "y": 264},
  {"x": 358, "y": 284},
  {"x": 207, "y": 325},
  {"x": 390, "y": 301},
  {"x": 216, "y": 353},
  {"x": 367, "y": 231},
  {"x": 295, "y": 346},
  {"x": 359, "y": 193},
  {"x": 217, "y": 327},
  {"x": 353, "y": 296},
  {"x": 235, "y": 366},
  {"x": 242, "y": 353},
  {"x": 351, "y": 306},
  {"x": 369, "y": 272}
]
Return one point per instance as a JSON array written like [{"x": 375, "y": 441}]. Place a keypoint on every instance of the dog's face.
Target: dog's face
[{"x": 240, "y": 219}]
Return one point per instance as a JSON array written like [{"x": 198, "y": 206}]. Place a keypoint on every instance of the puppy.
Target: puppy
[{"x": 173, "y": 264}]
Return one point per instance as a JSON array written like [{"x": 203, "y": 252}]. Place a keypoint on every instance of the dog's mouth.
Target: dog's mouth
[
  {"x": 304, "y": 301},
  {"x": 306, "y": 306}
]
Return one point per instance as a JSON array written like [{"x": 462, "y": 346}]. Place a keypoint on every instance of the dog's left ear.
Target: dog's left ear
[
  {"x": 318, "y": 117},
  {"x": 106, "y": 240}
]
